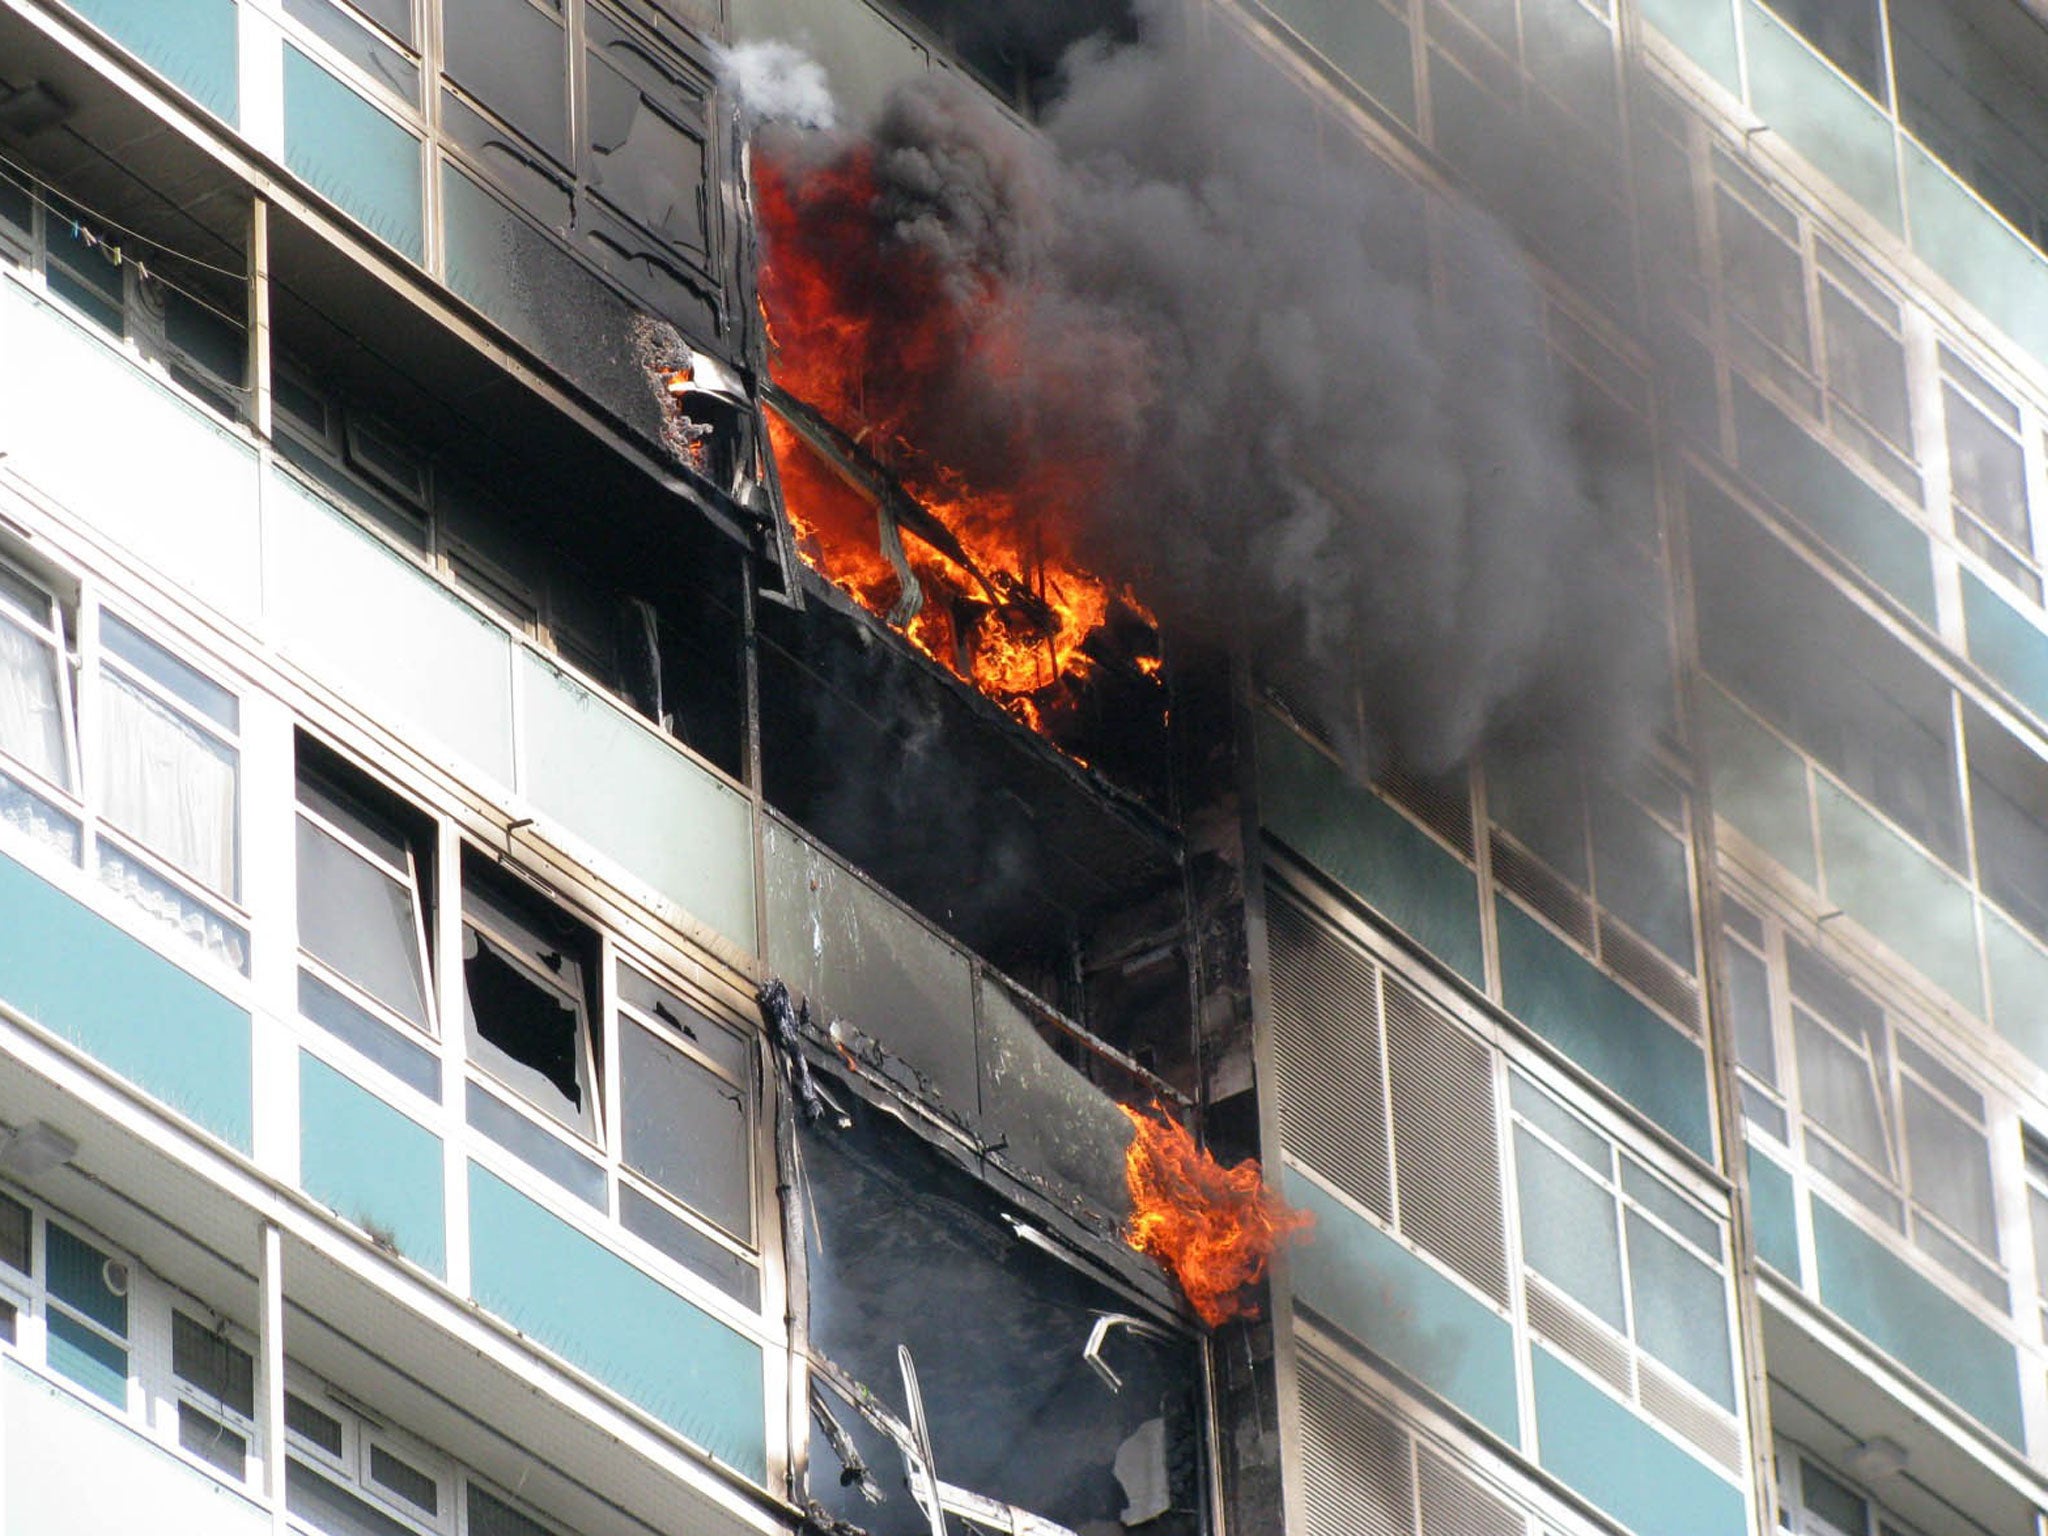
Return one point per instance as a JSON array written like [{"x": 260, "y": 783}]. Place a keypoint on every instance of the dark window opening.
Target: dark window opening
[
  {"x": 17, "y": 1225},
  {"x": 492, "y": 1516},
  {"x": 527, "y": 972},
  {"x": 405, "y": 1480},
  {"x": 213, "y": 1365},
  {"x": 1848, "y": 32},
  {"x": 312, "y": 1424},
  {"x": 1015, "y": 49}
]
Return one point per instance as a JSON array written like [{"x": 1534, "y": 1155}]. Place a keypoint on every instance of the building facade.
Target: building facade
[{"x": 525, "y": 1008}]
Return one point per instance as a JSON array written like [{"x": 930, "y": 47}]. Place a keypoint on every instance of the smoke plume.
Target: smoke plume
[
  {"x": 776, "y": 82},
  {"x": 1200, "y": 345}
]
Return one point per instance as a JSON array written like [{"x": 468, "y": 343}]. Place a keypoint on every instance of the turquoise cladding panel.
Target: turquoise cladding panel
[
  {"x": 1353, "y": 1275},
  {"x": 191, "y": 43},
  {"x": 1704, "y": 31},
  {"x": 117, "y": 999},
  {"x": 1625, "y": 1465},
  {"x": 1819, "y": 113},
  {"x": 376, "y": 1167},
  {"x": 1883, "y": 1298},
  {"x": 574, "y": 1296},
  {"x": 1558, "y": 993},
  {"x": 353, "y": 154},
  {"x": 1370, "y": 849},
  {"x": 2007, "y": 645}
]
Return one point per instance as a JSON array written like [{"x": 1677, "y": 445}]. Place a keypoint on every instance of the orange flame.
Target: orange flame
[
  {"x": 1215, "y": 1228},
  {"x": 858, "y": 330}
]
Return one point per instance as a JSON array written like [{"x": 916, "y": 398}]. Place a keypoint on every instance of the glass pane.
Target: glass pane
[
  {"x": 1681, "y": 1310},
  {"x": 212, "y": 1441},
  {"x": 1749, "y": 1004},
  {"x": 88, "y": 1358},
  {"x": 310, "y": 1423},
  {"x": 543, "y": 1150},
  {"x": 1951, "y": 1167},
  {"x": 686, "y": 1129},
  {"x": 16, "y": 1225},
  {"x": 1650, "y": 1191},
  {"x": 359, "y": 920},
  {"x": 1568, "y": 1229},
  {"x": 77, "y": 1276},
  {"x": 1866, "y": 366},
  {"x": 36, "y": 819},
  {"x": 1640, "y": 875},
  {"x": 32, "y": 715},
  {"x": 358, "y": 45},
  {"x": 1538, "y": 1107},
  {"x": 1987, "y": 469},
  {"x": 725, "y": 1049},
  {"x": 650, "y": 1219},
  {"x": 168, "y": 784},
  {"x": 394, "y": 1050},
  {"x": 405, "y": 1480},
  {"x": 510, "y": 57},
  {"x": 1834, "y": 1502},
  {"x": 168, "y": 902},
  {"x": 1838, "y": 1090},
  {"x": 2037, "y": 1216},
  {"x": 353, "y": 154},
  {"x": 492, "y": 1516},
  {"x": 329, "y": 1508},
  {"x": 213, "y": 1364},
  {"x": 1764, "y": 278},
  {"x": 525, "y": 1031},
  {"x": 644, "y": 157}
]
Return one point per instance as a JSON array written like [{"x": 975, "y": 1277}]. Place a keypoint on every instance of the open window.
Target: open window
[
  {"x": 527, "y": 971},
  {"x": 365, "y": 895}
]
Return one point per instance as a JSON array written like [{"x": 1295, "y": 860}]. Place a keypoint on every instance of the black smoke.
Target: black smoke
[{"x": 1299, "y": 438}]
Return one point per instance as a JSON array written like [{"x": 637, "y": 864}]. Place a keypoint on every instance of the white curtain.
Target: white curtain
[
  {"x": 168, "y": 784},
  {"x": 31, "y": 711}
]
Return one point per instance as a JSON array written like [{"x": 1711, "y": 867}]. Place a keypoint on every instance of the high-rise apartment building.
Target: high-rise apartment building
[{"x": 533, "y": 1001}]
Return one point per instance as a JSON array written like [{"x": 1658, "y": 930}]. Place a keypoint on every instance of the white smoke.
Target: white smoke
[{"x": 776, "y": 82}]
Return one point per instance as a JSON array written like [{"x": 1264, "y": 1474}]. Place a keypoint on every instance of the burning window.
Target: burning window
[
  {"x": 1016, "y": 1408},
  {"x": 978, "y": 580}
]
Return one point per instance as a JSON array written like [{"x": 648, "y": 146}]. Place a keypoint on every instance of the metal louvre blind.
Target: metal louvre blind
[
  {"x": 1447, "y": 1161},
  {"x": 1362, "y": 1474},
  {"x": 1328, "y": 1068},
  {"x": 1454, "y": 1505},
  {"x": 1355, "y": 1476}
]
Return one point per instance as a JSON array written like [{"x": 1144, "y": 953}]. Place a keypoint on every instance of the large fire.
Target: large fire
[
  {"x": 859, "y": 327},
  {"x": 1215, "y": 1228}
]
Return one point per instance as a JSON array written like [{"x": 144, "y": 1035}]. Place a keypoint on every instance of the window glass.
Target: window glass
[
  {"x": 353, "y": 154},
  {"x": 212, "y": 1441},
  {"x": 525, "y": 998},
  {"x": 16, "y": 1225},
  {"x": 360, "y": 914},
  {"x": 1840, "y": 1506},
  {"x": 1866, "y": 365},
  {"x": 511, "y": 57},
  {"x": 359, "y": 45},
  {"x": 213, "y": 1364},
  {"x": 724, "y": 1049},
  {"x": 1762, "y": 277},
  {"x": 312, "y": 1424},
  {"x": 79, "y": 272},
  {"x": 1987, "y": 470},
  {"x": 686, "y": 1128},
  {"x": 1568, "y": 1229},
  {"x": 169, "y": 673},
  {"x": 1839, "y": 1088},
  {"x": 1951, "y": 1168},
  {"x": 168, "y": 784},
  {"x": 34, "y": 699},
  {"x": 492, "y": 1516},
  {"x": 645, "y": 157},
  {"x": 1641, "y": 876},
  {"x": 405, "y": 1480},
  {"x": 1749, "y": 1004},
  {"x": 1849, "y": 33},
  {"x": 327, "y": 1507},
  {"x": 1681, "y": 1311},
  {"x": 2009, "y": 809}
]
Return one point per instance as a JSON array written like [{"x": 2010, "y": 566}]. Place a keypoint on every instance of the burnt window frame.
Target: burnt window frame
[{"x": 517, "y": 915}]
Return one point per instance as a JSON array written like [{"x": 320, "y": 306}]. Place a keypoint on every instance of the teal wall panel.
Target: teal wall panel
[
  {"x": 1704, "y": 31},
  {"x": 1623, "y": 1464},
  {"x": 639, "y": 800},
  {"x": 376, "y": 1167},
  {"x": 1834, "y": 502},
  {"x": 353, "y": 155},
  {"x": 1559, "y": 994},
  {"x": 1820, "y": 114},
  {"x": 2019, "y": 986},
  {"x": 2006, "y": 644},
  {"x": 1988, "y": 262},
  {"x": 1361, "y": 1280},
  {"x": 1883, "y": 1298},
  {"x": 1773, "y": 1213},
  {"x": 591, "y": 1307},
  {"x": 121, "y": 1002},
  {"x": 1364, "y": 40},
  {"x": 1347, "y": 832},
  {"x": 1900, "y": 894},
  {"x": 191, "y": 43}
]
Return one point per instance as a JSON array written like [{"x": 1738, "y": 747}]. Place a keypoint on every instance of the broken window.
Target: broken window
[
  {"x": 1016, "y": 1410},
  {"x": 526, "y": 969},
  {"x": 646, "y": 135},
  {"x": 364, "y": 863},
  {"x": 509, "y": 55}
]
